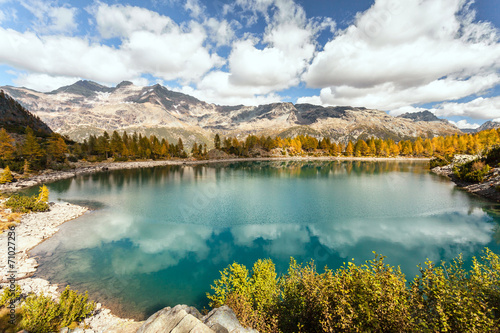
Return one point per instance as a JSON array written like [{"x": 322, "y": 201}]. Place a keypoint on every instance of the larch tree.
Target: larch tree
[
  {"x": 6, "y": 145},
  {"x": 6, "y": 176}
]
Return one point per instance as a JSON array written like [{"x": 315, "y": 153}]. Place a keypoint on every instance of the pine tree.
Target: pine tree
[
  {"x": 6, "y": 147},
  {"x": 217, "y": 141},
  {"x": 6, "y": 176}
]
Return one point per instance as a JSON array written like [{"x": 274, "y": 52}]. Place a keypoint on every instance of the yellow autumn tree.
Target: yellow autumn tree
[
  {"x": 6, "y": 176},
  {"x": 6, "y": 147},
  {"x": 43, "y": 195}
]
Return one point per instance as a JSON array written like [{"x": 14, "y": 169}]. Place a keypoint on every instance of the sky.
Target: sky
[{"x": 393, "y": 55}]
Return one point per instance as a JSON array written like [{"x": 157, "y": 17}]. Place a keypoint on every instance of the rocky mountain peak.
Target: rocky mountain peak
[
  {"x": 421, "y": 116},
  {"x": 124, "y": 84},
  {"x": 83, "y": 87},
  {"x": 489, "y": 125}
]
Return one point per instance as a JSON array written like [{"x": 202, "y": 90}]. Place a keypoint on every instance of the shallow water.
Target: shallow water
[{"x": 160, "y": 236}]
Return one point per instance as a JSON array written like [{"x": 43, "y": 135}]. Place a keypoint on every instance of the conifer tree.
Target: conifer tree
[
  {"x": 217, "y": 141},
  {"x": 31, "y": 147},
  {"x": 6, "y": 147},
  {"x": 349, "y": 150},
  {"x": 6, "y": 176},
  {"x": 43, "y": 195}
]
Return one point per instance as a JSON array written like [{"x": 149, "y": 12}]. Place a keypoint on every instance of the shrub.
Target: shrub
[
  {"x": 473, "y": 171},
  {"x": 42, "y": 314},
  {"x": 439, "y": 161},
  {"x": 8, "y": 296},
  {"x": 25, "y": 204},
  {"x": 373, "y": 297}
]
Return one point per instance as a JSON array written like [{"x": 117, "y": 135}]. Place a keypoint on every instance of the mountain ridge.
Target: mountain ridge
[
  {"x": 15, "y": 118},
  {"x": 86, "y": 107}
]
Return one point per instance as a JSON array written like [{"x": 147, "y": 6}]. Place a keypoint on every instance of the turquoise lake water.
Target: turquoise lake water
[{"x": 158, "y": 237}]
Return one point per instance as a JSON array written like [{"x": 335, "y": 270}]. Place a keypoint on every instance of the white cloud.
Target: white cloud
[
  {"x": 220, "y": 32},
  {"x": 151, "y": 43},
  {"x": 194, "y": 7},
  {"x": 43, "y": 82},
  {"x": 479, "y": 108},
  {"x": 51, "y": 18},
  {"x": 390, "y": 96},
  {"x": 396, "y": 55},
  {"x": 63, "y": 56},
  {"x": 275, "y": 61},
  {"x": 121, "y": 21},
  {"x": 216, "y": 87},
  {"x": 464, "y": 124}
]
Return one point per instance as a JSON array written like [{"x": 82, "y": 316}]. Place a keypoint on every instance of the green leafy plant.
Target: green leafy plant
[
  {"x": 25, "y": 204},
  {"x": 373, "y": 297},
  {"x": 10, "y": 295},
  {"x": 42, "y": 314},
  {"x": 473, "y": 171}
]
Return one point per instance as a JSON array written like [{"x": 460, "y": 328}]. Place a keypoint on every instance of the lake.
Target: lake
[{"x": 158, "y": 237}]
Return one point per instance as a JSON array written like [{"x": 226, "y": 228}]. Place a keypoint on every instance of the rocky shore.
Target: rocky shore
[
  {"x": 33, "y": 229},
  {"x": 488, "y": 189}
]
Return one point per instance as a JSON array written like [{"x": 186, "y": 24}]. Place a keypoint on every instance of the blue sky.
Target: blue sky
[{"x": 397, "y": 56}]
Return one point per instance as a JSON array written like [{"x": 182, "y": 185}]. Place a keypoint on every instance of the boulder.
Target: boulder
[
  {"x": 223, "y": 319},
  {"x": 179, "y": 319}
]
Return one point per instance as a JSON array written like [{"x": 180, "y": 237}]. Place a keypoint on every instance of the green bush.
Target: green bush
[
  {"x": 373, "y": 297},
  {"x": 8, "y": 295},
  {"x": 24, "y": 204},
  {"x": 439, "y": 161},
  {"x": 42, "y": 314},
  {"x": 473, "y": 171}
]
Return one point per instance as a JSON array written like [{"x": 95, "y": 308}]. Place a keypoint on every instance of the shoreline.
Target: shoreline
[
  {"x": 91, "y": 168},
  {"x": 486, "y": 190},
  {"x": 33, "y": 229}
]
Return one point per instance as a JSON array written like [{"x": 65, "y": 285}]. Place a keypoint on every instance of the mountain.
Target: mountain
[
  {"x": 488, "y": 125},
  {"x": 15, "y": 118},
  {"x": 421, "y": 116},
  {"x": 86, "y": 108}
]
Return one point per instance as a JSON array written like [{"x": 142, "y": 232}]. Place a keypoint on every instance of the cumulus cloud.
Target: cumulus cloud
[
  {"x": 390, "y": 96},
  {"x": 43, "y": 82},
  {"x": 121, "y": 21},
  {"x": 63, "y": 56},
  {"x": 220, "y": 32},
  {"x": 479, "y": 108},
  {"x": 464, "y": 124},
  {"x": 50, "y": 17},
  {"x": 151, "y": 43},
  {"x": 259, "y": 66},
  {"x": 396, "y": 55}
]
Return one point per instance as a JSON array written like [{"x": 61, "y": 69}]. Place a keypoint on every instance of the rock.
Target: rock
[
  {"x": 224, "y": 316},
  {"x": 177, "y": 320}
]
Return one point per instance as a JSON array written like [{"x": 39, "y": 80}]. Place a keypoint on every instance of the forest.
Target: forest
[{"x": 29, "y": 152}]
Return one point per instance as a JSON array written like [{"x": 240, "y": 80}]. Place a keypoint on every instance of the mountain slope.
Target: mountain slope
[
  {"x": 488, "y": 125},
  {"x": 15, "y": 118},
  {"x": 86, "y": 108}
]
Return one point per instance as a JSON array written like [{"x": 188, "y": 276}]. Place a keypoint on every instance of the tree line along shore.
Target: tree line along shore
[{"x": 31, "y": 152}]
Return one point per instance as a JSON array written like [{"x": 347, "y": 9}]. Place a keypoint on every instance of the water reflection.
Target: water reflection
[{"x": 161, "y": 235}]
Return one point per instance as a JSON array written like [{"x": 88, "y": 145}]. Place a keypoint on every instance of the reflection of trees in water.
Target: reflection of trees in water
[
  {"x": 162, "y": 176},
  {"x": 494, "y": 212}
]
